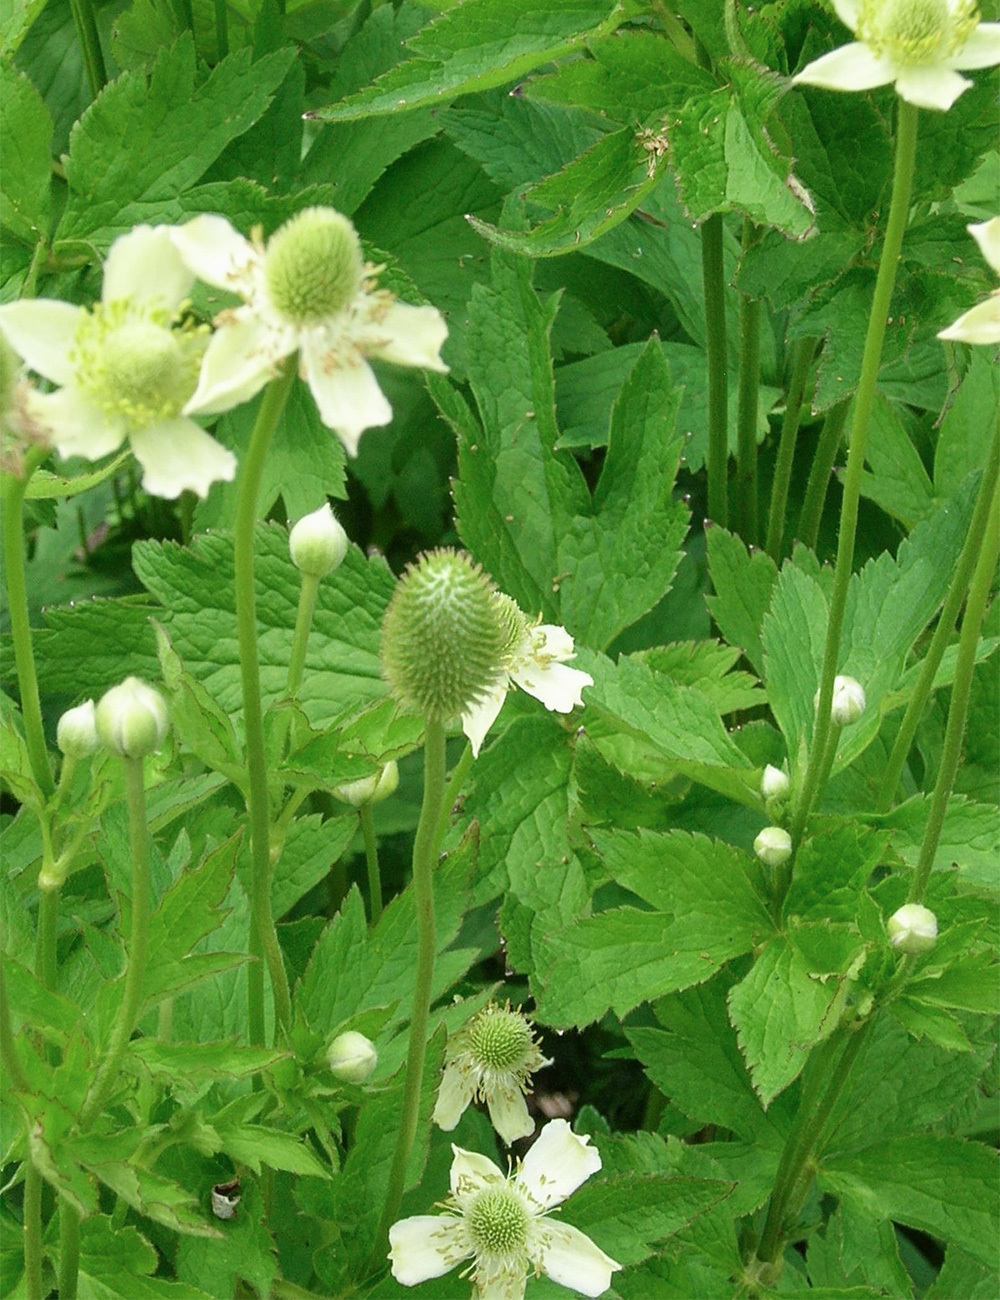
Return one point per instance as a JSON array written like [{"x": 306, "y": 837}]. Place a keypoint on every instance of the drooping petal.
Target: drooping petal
[
  {"x": 848, "y": 11},
  {"x": 987, "y": 236},
  {"x": 78, "y": 427},
  {"x": 215, "y": 252},
  {"x": 481, "y": 715},
  {"x": 569, "y": 1257},
  {"x": 347, "y": 394},
  {"x": 470, "y": 1173},
  {"x": 558, "y": 686},
  {"x": 981, "y": 50},
  {"x": 176, "y": 455},
  {"x": 146, "y": 267},
  {"x": 930, "y": 86},
  {"x": 42, "y": 332},
  {"x": 413, "y": 337},
  {"x": 850, "y": 67},
  {"x": 557, "y": 1164},
  {"x": 426, "y": 1246},
  {"x": 453, "y": 1097},
  {"x": 238, "y": 362},
  {"x": 980, "y": 324},
  {"x": 509, "y": 1114}
]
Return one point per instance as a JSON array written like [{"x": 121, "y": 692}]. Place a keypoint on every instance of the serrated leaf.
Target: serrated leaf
[
  {"x": 25, "y": 190},
  {"x": 743, "y": 581},
  {"x": 117, "y": 1265},
  {"x": 831, "y": 868},
  {"x": 256, "y": 1145},
  {"x": 939, "y": 1026},
  {"x": 151, "y": 1194},
  {"x": 177, "y": 1060}
]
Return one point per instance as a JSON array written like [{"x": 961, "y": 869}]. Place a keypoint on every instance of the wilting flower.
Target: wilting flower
[
  {"x": 492, "y": 1058},
  {"x": 502, "y": 1224},
  {"x": 981, "y": 324},
  {"x": 125, "y": 367},
  {"x": 536, "y": 661},
  {"x": 919, "y": 45},
  {"x": 308, "y": 291}
]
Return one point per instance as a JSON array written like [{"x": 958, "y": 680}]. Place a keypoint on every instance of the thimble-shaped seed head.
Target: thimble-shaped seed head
[
  {"x": 313, "y": 266},
  {"x": 444, "y": 639}
]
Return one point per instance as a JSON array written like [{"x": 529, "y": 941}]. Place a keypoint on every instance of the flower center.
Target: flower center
[
  {"x": 313, "y": 266},
  {"x": 914, "y": 32},
  {"x": 499, "y": 1039},
  {"x": 498, "y": 1222}
]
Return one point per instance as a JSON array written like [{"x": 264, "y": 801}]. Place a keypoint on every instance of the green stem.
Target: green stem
[
  {"x": 131, "y": 1002},
  {"x": 8, "y": 1049},
  {"x": 13, "y": 491},
  {"x": 456, "y": 779},
  {"x": 943, "y": 631},
  {"x": 300, "y": 637},
  {"x": 45, "y": 937},
  {"x": 69, "y": 1251},
  {"x": 951, "y": 753},
  {"x": 714, "y": 279},
  {"x": 802, "y": 359},
  {"x": 371, "y": 857},
  {"x": 221, "y": 29},
  {"x": 748, "y": 389},
  {"x": 33, "y": 1232},
  {"x": 821, "y": 472},
  {"x": 424, "y": 858},
  {"x": 264, "y": 937},
  {"x": 90, "y": 45},
  {"x": 676, "y": 31},
  {"x": 906, "y": 148}
]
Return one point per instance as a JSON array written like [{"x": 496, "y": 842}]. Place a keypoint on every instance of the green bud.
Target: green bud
[
  {"x": 913, "y": 928},
  {"x": 773, "y": 846},
  {"x": 131, "y": 719},
  {"x": 76, "y": 731},
  {"x": 370, "y": 789},
  {"x": 317, "y": 543},
  {"x": 352, "y": 1057}
]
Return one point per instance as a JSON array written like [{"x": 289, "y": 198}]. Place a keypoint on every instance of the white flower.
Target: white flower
[
  {"x": 913, "y": 928},
  {"x": 981, "y": 324},
  {"x": 920, "y": 45},
  {"x": 502, "y": 1224},
  {"x": 773, "y": 846},
  {"x": 124, "y": 371},
  {"x": 536, "y": 661},
  {"x": 308, "y": 291},
  {"x": 492, "y": 1058}
]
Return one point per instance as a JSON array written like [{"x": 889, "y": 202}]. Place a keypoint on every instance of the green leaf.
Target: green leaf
[
  {"x": 159, "y": 1198},
  {"x": 743, "y": 581},
  {"x": 256, "y": 1145},
  {"x": 44, "y": 485},
  {"x": 117, "y": 1265},
  {"x": 172, "y": 1061},
  {"x": 831, "y": 869},
  {"x": 247, "y": 1250},
  {"x": 898, "y": 481},
  {"x": 195, "y": 716},
  {"x": 963, "y": 1275},
  {"x": 313, "y": 845},
  {"x": 921, "y": 1020},
  {"x": 963, "y": 439},
  {"x": 25, "y": 190}
]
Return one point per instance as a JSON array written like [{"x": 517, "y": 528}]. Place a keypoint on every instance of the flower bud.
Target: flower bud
[
  {"x": 444, "y": 640},
  {"x": 774, "y": 784},
  {"x": 912, "y": 928},
  {"x": 317, "y": 543},
  {"x": 132, "y": 719},
  {"x": 773, "y": 846},
  {"x": 352, "y": 1057},
  {"x": 76, "y": 731},
  {"x": 370, "y": 789},
  {"x": 848, "y": 701}
]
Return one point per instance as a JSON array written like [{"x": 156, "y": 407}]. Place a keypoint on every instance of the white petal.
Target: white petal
[
  {"x": 145, "y": 266},
  {"x": 987, "y": 236},
  {"x": 78, "y": 427},
  {"x": 453, "y": 1097},
  {"x": 176, "y": 455},
  {"x": 509, "y": 1114},
  {"x": 42, "y": 331},
  {"x": 557, "y": 1164},
  {"x": 470, "y": 1173},
  {"x": 980, "y": 324},
  {"x": 413, "y": 337},
  {"x": 981, "y": 50},
  {"x": 499, "y": 1282},
  {"x": 425, "y": 1246},
  {"x": 480, "y": 716},
  {"x": 850, "y": 67},
  {"x": 238, "y": 362},
  {"x": 347, "y": 394},
  {"x": 569, "y": 1257},
  {"x": 557, "y": 686},
  {"x": 930, "y": 86},
  {"x": 216, "y": 253},
  {"x": 848, "y": 12}
]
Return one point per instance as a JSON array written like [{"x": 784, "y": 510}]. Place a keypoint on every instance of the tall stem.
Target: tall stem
[
  {"x": 951, "y": 753},
  {"x": 745, "y": 508},
  {"x": 906, "y": 148},
  {"x": 424, "y": 856},
  {"x": 90, "y": 45},
  {"x": 820, "y": 473},
  {"x": 69, "y": 1251},
  {"x": 802, "y": 358},
  {"x": 33, "y": 1232},
  {"x": 456, "y": 778},
  {"x": 264, "y": 937},
  {"x": 714, "y": 279},
  {"x": 371, "y": 858},
  {"x": 943, "y": 631},
  {"x": 221, "y": 29}
]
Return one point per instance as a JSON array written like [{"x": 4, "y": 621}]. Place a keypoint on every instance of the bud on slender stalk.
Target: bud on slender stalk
[
  {"x": 773, "y": 846},
  {"x": 352, "y": 1057},
  {"x": 317, "y": 543},
  {"x": 131, "y": 719},
  {"x": 774, "y": 784},
  {"x": 76, "y": 731},
  {"x": 912, "y": 928},
  {"x": 369, "y": 789},
  {"x": 848, "y": 702}
]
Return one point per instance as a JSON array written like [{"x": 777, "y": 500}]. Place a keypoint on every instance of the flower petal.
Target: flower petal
[
  {"x": 569, "y": 1257},
  {"x": 453, "y": 1097},
  {"x": 238, "y": 362},
  {"x": 499, "y": 1281},
  {"x": 850, "y": 67},
  {"x": 470, "y": 1173},
  {"x": 557, "y": 1164},
  {"x": 77, "y": 426},
  {"x": 146, "y": 267},
  {"x": 413, "y": 337},
  {"x": 216, "y": 253},
  {"x": 930, "y": 86},
  {"x": 347, "y": 394},
  {"x": 539, "y": 670},
  {"x": 981, "y": 50},
  {"x": 481, "y": 715},
  {"x": 980, "y": 324},
  {"x": 987, "y": 236},
  {"x": 426, "y": 1246},
  {"x": 42, "y": 332},
  {"x": 176, "y": 454},
  {"x": 509, "y": 1114},
  {"x": 848, "y": 11}
]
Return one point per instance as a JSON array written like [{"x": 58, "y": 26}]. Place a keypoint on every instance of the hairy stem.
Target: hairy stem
[
  {"x": 371, "y": 858},
  {"x": 745, "y": 506},
  {"x": 714, "y": 278},
  {"x": 90, "y": 45},
  {"x": 802, "y": 359},
  {"x": 821, "y": 472}
]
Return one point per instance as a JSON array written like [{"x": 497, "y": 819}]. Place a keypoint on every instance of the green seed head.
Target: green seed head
[
  {"x": 314, "y": 266},
  {"x": 443, "y": 639},
  {"x": 514, "y": 622},
  {"x": 912, "y": 32},
  {"x": 498, "y": 1222},
  {"x": 499, "y": 1038}
]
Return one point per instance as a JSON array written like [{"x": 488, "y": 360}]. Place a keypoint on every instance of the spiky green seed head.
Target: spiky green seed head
[
  {"x": 498, "y": 1222},
  {"x": 314, "y": 266},
  {"x": 514, "y": 623},
  {"x": 443, "y": 636},
  {"x": 500, "y": 1038}
]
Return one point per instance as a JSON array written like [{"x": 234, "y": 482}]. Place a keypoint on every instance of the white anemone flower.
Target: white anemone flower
[
  {"x": 919, "y": 45},
  {"x": 124, "y": 367},
  {"x": 502, "y": 1224},
  {"x": 307, "y": 291},
  {"x": 981, "y": 324},
  {"x": 536, "y": 661}
]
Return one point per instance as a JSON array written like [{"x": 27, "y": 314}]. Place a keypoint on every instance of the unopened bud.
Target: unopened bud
[
  {"x": 370, "y": 789},
  {"x": 773, "y": 846},
  {"x": 352, "y": 1057},
  {"x": 317, "y": 543},
  {"x": 912, "y": 928},
  {"x": 774, "y": 784},
  {"x": 848, "y": 701},
  {"x": 132, "y": 719},
  {"x": 76, "y": 731}
]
